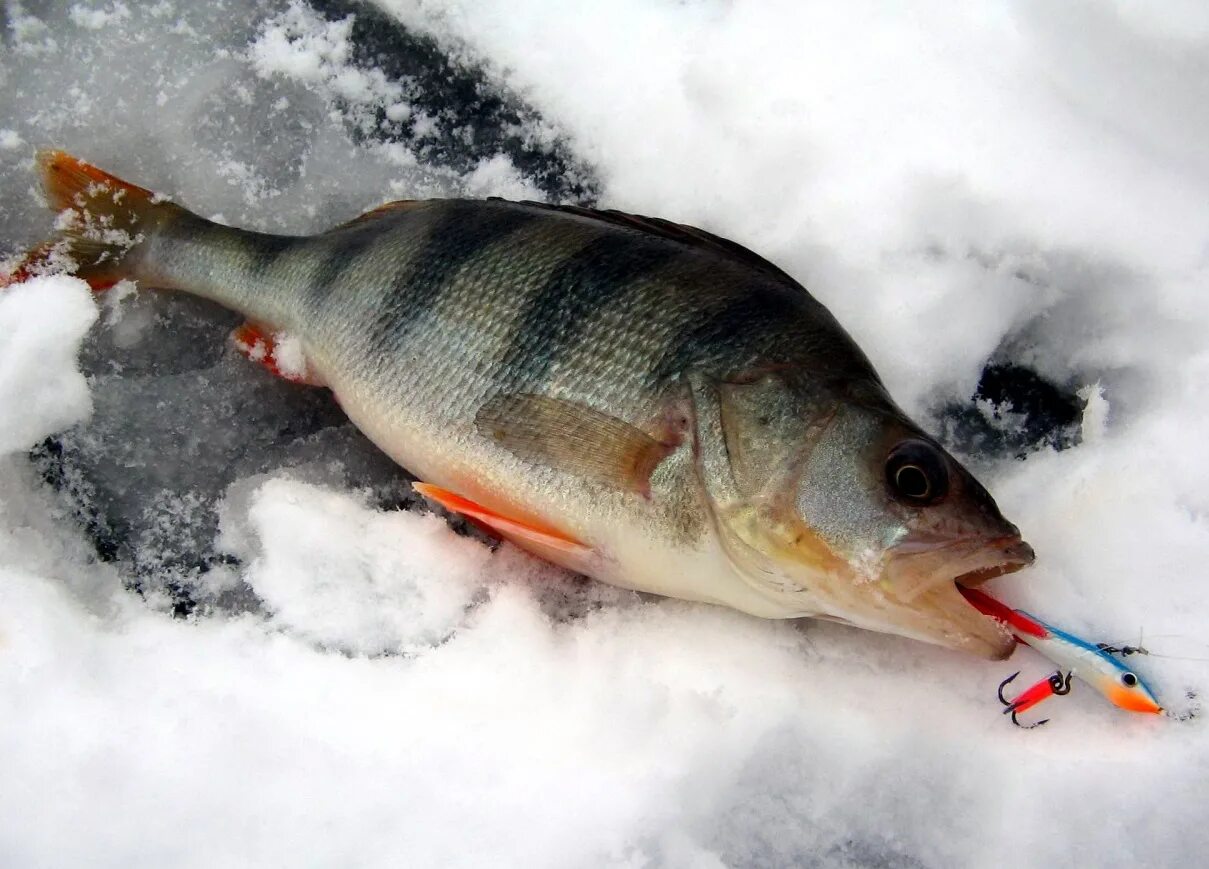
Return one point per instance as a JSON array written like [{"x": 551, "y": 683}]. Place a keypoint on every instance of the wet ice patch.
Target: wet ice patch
[{"x": 338, "y": 573}]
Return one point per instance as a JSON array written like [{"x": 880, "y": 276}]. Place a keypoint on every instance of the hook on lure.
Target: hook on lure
[{"x": 1054, "y": 685}]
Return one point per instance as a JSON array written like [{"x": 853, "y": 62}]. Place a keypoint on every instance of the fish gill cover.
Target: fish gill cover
[{"x": 203, "y": 598}]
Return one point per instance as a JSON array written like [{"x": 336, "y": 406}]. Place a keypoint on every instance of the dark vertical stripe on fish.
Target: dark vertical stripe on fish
[
  {"x": 340, "y": 253},
  {"x": 265, "y": 250},
  {"x": 724, "y": 339},
  {"x": 452, "y": 242},
  {"x": 554, "y": 319}
]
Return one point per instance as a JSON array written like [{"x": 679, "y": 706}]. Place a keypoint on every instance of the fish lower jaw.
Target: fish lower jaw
[
  {"x": 938, "y": 615},
  {"x": 922, "y": 588},
  {"x": 945, "y": 618}
]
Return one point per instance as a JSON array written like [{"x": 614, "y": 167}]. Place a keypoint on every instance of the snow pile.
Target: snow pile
[
  {"x": 340, "y": 574},
  {"x": 42, "y": 322},
  {"x": 1023, "y": 185}
]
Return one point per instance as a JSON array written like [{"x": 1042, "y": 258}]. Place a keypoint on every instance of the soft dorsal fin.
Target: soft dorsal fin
[
  {"x": 657, "y": 226},
  {"x": 384, "y": 210},
  {"x": 573, "y": 438}
]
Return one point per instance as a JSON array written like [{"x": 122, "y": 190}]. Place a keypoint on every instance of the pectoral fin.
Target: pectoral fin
[
  {"x": 573, "y": 438},
  {"x": 549, "y": 543}
]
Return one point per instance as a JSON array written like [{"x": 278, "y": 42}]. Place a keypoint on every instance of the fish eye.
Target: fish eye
[
  {"x": 916, "y": 473},
  {"x": 1129, "y": 679}
]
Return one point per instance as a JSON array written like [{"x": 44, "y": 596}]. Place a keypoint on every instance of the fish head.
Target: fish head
[{"x": 834, "y": 498}]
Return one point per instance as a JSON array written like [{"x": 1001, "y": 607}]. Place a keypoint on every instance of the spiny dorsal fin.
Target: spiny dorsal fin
[
  {"x": 657, "y": 226},
  {"x": 573, "y": 438}
]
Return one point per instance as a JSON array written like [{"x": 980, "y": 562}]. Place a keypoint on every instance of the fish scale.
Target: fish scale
[{"x": 641, "y": 401}]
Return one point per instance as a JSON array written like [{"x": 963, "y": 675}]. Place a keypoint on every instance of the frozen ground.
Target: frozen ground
[{"x": 220, "y": 643}]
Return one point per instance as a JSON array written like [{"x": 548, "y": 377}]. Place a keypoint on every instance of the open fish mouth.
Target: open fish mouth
[{"x": 924, "y": 577}]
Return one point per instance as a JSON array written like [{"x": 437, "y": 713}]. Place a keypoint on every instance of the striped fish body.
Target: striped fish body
[
  {"x": 420, "y": 315},
  {"x": 670, "y": 412}
]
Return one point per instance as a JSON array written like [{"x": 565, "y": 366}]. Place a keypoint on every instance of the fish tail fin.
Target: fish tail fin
[{"x": 102, "y": 223}]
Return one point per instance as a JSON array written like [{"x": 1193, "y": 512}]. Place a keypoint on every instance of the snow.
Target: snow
[
  {"x": 289, "y": 355},
  {"x": 42, "y": 322},
  {"x": 330, "y": 570},
  {"x": 97, "y": 18},
  {"x": 304, "y": 46},
  {"x": 364, "y": 685}
]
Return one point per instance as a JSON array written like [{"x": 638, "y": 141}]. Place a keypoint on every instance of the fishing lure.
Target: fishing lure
[{"x": 1094, "y": 664}]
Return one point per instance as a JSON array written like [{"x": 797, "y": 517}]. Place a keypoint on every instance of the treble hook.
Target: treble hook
[
  {"x": 1003, "y": 685},
  {"x": 1053, "y": 685}
]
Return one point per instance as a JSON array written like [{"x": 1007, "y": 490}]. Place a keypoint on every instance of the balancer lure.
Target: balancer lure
[{"x": 1095, "y": 664}]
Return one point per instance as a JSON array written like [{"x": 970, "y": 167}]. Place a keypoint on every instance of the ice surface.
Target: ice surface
[{"x": 221, "y": 644}]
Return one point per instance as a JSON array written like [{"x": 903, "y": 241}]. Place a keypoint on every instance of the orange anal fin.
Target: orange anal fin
[
  {"x": 549, "y": 543},
  {"x": 265, "y": 347}
]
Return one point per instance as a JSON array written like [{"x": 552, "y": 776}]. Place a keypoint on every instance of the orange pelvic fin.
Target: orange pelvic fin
[
  {"x": 284, "y": 360},
  {"x": 549, "y": 543}
]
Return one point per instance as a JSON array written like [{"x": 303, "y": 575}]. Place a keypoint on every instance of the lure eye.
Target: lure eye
[
  {"x": 916, "y": 473},
  {"x": 1129, "y": 679}
]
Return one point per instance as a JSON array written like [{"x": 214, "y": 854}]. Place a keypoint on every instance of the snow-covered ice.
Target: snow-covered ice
[{"x": 222, "y": 644}]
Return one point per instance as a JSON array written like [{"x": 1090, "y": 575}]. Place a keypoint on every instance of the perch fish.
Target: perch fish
[{"x": 641, "y": 401}]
